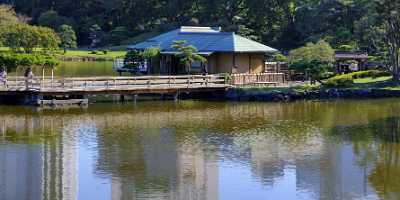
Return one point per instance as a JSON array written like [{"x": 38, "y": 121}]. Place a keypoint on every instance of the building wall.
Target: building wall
[
  {"x": 224, "y": 63},
  {"x": 212, "y": 64},
  {"x": 243, "y": 62},
  {"x": 257, "y": 63}
]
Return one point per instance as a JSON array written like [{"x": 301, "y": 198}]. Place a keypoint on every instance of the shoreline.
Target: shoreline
[
  {"x": 271, "y": 95},
  {"x": 84, "y": 59}
]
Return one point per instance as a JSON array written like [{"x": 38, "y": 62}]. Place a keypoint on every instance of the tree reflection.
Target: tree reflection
[{"x": 377, "y": 143}]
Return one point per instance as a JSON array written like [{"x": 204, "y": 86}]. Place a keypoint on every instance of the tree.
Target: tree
[
  {"x": 67, "y": 36},
  {"x": 389, "y": 15},
  {"x": 9, "y": 16},
  {"x": 95, "y": 35},
  {"x": 117, "y": 35},
  {"x": 152, "y": 55},
  {"x": 53, "y": 20},
  {"x": 24, "y": 37},
  {"x": 187, "y": 54},
  {"x": 313, "y": 60}
]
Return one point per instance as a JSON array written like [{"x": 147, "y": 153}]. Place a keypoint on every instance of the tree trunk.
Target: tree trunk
[{"x": 394, "y": 44}]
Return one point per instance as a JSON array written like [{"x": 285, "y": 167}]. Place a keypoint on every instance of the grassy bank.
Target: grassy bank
[
  {"x": 84, "y": 54},
  {"x": 109, "y": 55}
]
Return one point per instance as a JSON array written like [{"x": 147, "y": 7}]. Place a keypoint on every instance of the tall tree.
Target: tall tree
[
  {"x": 389, "y": 15},
  {"x": 67, "y": 36}
]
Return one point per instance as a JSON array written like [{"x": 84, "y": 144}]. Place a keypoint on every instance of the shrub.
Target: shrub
[
  {"x": 346, "y": 80},
  {"x": 370, "y": 73},
  {"x": 339, "y": 81}
]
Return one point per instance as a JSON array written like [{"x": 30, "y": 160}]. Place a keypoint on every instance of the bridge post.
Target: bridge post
[
  {"x": 176, "y": 96},
  {"x": 122, "y": 98},
  {"x": 135, "y": 97}
]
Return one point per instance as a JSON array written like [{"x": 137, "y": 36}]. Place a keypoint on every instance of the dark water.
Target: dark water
[{"x": 202, "y": 150}]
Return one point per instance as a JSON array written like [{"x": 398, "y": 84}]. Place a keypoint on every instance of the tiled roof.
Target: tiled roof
[{"x": 205, "y": 39}]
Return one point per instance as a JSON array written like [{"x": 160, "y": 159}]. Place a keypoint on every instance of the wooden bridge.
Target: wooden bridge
[
  {"x": 42, "y": 88},
  {"x": 108, "y": 85}
]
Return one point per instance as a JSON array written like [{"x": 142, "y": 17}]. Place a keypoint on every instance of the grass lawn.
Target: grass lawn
[
  {"x": 100, "y": 54},
  {"x": 371, "y": 80},
  {"x": 112, "y": 54}
]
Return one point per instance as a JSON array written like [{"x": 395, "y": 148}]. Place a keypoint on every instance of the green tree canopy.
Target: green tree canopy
[
  {"x": 24, "y": 37},
  {"x": 53, "y": 20},
  {"x": 313, "y": 60},
  {"x": 320, "y": 51},
  {"x": 12, "y": 60},
  {"x": 9, "y": 16},
  {"x": 187, "y": 54},
  {"x": 67, "y": 36}
]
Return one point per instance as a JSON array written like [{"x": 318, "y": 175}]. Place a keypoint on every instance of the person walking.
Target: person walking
[
  {"x": 3, "y": 77},
  {"x": 204, "y": 72},
  {"x": 28, "y": 77}
]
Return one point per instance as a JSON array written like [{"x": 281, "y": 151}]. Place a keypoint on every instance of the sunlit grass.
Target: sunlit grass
[
  {"x": 83, "y": 53},
  {"x": 372, "y": 80},
  {"x": 99, "y": 54}
]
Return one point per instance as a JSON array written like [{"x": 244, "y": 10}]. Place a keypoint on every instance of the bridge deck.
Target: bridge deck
[{"x": 113, "y": 85}]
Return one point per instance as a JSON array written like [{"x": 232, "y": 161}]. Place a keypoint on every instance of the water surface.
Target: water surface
[
  {"x": 202, "y": 150},
  {"x": 76, "y": 69}
]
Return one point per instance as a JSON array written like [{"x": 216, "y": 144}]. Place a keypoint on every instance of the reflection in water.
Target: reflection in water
[{"x": 202, "y": 150}]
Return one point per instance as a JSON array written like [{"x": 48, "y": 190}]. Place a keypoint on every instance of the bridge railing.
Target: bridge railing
[
  {"x": 113, "y": 83},
  {"x": 263, "y": 78}
]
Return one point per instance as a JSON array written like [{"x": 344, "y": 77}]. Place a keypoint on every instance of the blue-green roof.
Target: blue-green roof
[{"x": 205, "y": 39}]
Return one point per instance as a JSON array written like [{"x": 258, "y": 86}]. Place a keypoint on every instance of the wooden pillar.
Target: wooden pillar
[
  {"x": 176, "y": 96},
  {"x": 233, "y": 62},
  {"x": 249, "y": 56}
]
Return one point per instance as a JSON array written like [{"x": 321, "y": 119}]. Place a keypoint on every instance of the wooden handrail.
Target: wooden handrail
[{"x": 115, "y": 83}]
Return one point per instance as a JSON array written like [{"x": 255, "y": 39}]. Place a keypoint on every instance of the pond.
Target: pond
[
  {"x": 78, "y": 69},
  {"x": 202, "y": 150}
]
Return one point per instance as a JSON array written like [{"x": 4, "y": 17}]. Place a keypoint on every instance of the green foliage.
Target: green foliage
[
  {"x": 133, "y": 59},
  {"x": 283, "y": 24},
  {"x": 227, "y": 77},
  {"x": 278, "y": 57},
  {"x": 24, "y": 37},
  {"x": 8, "y": 16},
  {"x": 95, "y": 35},
  {"x": 314, "y": 60},
  {"x": 67, "y": 36},
  {"x": 347, "y": 47},
  {"x": 151, "y": 52},
  {"x": 346, "y": 80},
  {"x": 339, "y": 81},
  {"x": 53, "y": 20},
  {"x": 187, "y": 54},
  {"x": 314, "y": 69},
  {"x": 13, "y": 60},
  {"x": 320, "y": 51},
  {"x": 117, "y": 35}
]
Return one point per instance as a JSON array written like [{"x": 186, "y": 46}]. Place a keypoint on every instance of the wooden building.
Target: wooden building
[
  {"x": 349, "y": 61},
  {"x": 225, "y": 52}
]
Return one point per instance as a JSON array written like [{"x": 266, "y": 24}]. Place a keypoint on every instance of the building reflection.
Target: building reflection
[{"x": 36, "y": 162}]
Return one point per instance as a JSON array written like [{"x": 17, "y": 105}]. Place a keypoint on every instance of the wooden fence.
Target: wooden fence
[{"x": 263, "y": 78}]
